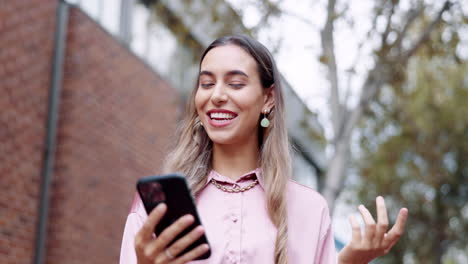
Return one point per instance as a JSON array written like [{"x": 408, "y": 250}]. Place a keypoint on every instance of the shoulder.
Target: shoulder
[
  {"x": 297, "y": 192},
  {"x": 308, "y": 217},
  {"x": 306, "y": 202}
]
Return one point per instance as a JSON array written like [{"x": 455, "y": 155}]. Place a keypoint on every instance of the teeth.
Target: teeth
[{"x": 221, "y": 116}]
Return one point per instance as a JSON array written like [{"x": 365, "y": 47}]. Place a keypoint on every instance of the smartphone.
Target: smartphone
[{"x": 171, "y": 189}]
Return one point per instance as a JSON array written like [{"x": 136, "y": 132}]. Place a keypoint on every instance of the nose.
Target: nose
[{"x": 219, "y": 95}]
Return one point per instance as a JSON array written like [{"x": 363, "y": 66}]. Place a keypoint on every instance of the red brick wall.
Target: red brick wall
[
  {"x": 116, "y": 119},
  {"x": 25, "y": 52}
]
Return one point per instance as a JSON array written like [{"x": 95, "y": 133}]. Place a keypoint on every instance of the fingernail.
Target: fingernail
[
  {"x": 200, "y": 229},
  {"x": 161, "y": 206},
  {"x": 188, "y": 218}
]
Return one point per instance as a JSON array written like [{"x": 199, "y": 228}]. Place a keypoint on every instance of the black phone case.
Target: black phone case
[{"x": 171, "y": 189}]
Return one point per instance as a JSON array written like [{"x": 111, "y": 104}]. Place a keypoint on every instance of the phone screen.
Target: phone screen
[{"x": 171, "y": 189}]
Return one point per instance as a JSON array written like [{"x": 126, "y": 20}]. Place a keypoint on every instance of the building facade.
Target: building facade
[{"x": 115, "y": 118}]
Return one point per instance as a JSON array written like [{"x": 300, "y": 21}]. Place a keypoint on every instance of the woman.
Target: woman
[{"x": 234, "y": 150}]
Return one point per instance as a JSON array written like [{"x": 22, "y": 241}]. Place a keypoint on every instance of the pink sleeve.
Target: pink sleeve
[
  {"x": 135, "y": 221},
  {"x": 326, "y": 252},
  {"x": 326, "y": 247},
  {"x": 127, "y": 250}
]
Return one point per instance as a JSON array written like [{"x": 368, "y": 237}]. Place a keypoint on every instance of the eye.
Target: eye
[
  {"x": 237, "y": 85},
  {"x": 206, "y": 85}
]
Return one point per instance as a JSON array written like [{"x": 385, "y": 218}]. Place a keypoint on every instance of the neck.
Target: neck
[{"x": 235, "y": 160}]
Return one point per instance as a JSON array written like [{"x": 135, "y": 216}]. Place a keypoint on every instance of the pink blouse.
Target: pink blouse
[{"x": 238, "y": 227}]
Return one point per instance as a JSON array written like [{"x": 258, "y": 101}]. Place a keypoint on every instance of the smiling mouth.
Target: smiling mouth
[{"x": 221, "y": 116}]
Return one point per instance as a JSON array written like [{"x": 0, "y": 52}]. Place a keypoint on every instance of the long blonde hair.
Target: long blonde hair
[{"x": 192, "y": 154}]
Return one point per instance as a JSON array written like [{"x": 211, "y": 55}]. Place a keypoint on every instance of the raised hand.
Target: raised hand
[
  {"x": 156, "y": 250},
  {"x": 375, "y": 241}
]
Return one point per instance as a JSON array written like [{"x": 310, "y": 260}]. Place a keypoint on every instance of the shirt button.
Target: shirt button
[{"x": 234, "y": 218}]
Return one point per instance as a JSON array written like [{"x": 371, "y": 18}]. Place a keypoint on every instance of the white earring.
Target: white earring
[{"x": 265, "y": 122}]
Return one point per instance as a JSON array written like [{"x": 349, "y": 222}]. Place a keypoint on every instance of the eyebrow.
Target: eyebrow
[{"x": 229, "y": 73}]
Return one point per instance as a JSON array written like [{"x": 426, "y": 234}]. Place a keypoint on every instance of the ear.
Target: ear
[{"x": 269, "y": 98}]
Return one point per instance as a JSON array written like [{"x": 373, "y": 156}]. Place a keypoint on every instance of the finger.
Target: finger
[
  {"x": 193, "y": 254},
  {"x": 356, "y": 230},
  {"x": 370, "y": 224},
  {"x": 167, "y": 236},
  {"x": 146, "y": 232},
  {"x": 397, "y": 230},
  {"x": 181, "y": 244},
  {"x": 388, "y": 247},
  {"x": 382, "y": 220}
]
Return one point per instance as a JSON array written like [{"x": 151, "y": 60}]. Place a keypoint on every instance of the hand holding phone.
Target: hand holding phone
[{"x": 173, "y": 218}]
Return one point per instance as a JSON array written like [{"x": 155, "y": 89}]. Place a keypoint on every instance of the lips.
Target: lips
[
  {"x": 221, "y": 114},
  {"x": 220, "y": 117}
]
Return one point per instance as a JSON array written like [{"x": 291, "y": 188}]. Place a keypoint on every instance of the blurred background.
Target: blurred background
[{"x": 91, "y": 92}]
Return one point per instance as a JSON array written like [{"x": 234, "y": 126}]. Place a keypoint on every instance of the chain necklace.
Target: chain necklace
[{"x": 234, "y": 189}]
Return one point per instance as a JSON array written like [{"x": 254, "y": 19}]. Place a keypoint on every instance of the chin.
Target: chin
[{"x": 222, "y": 139}]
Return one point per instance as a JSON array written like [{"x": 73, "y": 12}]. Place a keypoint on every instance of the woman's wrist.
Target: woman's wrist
[{"x": 341, "y": 260}]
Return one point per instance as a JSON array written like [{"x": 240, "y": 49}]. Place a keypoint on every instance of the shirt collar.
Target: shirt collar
[{"x": 255, "y": 174}]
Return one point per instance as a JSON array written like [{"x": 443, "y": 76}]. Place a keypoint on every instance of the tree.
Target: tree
[
  {"x": 390, "y": 60},
  {"x": 414, "y": 143}
]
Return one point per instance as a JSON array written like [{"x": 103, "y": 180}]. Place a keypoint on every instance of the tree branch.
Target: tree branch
[
  {"x": 411, "y": 17},
  {"x": 377, "y": 15},
  {"x": 388, "y": 27},
  {"x": 270, "y": 9},
  {"x": 328, "y": 58},
  {"x": 300, "y": 18},
  {"x": 385, "y": 70},
  {"x": 426, "y": 34}
]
